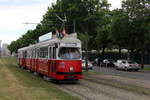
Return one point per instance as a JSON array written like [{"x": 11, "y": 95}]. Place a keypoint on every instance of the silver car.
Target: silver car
[{"x": 127, "y": 65}]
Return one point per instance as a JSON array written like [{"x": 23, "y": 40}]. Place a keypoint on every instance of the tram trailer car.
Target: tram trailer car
[{"x": 58, "y": 59}]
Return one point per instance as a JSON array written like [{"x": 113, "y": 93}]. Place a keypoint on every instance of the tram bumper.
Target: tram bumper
[{"x": 68, "y": 75}]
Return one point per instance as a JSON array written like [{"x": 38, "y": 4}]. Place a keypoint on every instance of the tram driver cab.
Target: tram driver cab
[{"x": 69, "y": 53}]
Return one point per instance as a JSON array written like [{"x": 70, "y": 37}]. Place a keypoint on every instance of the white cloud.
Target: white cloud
[
  {"x": 4, "y": 1},
  {"x": 115, "y": 4},
  {"x": 21, "y": 2},
  {"x": 13, "y": 13},
  {"x": 13, "y": 17}
]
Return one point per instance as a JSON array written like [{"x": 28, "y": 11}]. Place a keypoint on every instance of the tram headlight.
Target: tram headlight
[{"x": 71, "y": 69}]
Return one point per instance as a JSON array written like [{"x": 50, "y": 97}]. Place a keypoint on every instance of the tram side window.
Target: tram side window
[
  {"x": 35, "y": 51},
  {"x": 50, "y": 52},
  {"x": 54, "y": 53},
  {"x": 19, "y": 54},
  {"x": 43, "y": 53},
  {"x": 32, "y": 53},
  {"x": 24, "y": 54},
  {"x": 28, "y": 54},
  {"x": 38, "y": 52}
]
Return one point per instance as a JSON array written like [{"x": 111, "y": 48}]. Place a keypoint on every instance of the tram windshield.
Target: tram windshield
[{"x": 69, "y": 53}]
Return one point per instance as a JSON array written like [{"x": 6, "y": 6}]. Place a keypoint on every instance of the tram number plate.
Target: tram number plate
[{"x": 70, "y": 77}]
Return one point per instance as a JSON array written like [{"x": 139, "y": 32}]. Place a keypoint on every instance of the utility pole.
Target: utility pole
[{"x": 74, "y": 26}]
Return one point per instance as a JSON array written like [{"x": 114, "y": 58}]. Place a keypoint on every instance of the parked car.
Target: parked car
[
  {"x": 90, "y": 65},
  {"x": 127, "y": 65},
  {"x": 108, "y": 63},
  {"x": 97, "y": 61}
]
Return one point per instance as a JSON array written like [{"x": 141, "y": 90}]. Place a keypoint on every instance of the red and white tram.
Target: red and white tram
[{"x": 58, "y": 59}]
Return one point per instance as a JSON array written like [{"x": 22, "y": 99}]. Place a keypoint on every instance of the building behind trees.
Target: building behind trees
[{"x": 4, "y": 50}]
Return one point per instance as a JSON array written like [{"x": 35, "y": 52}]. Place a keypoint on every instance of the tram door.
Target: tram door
[
  {"x": 43, "y": 60},
  {"x": 24, "y": 62},
  {"x": 52, "y": 63},
  {"x": 34, "y": 59}
]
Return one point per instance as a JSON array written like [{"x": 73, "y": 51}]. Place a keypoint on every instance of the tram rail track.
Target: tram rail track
[
  {"x": 117, "y": 84},
  {"x": 77, "y": 93},
  {"x": 101, "y": 91},
  {"x": 91, "y": 90}
]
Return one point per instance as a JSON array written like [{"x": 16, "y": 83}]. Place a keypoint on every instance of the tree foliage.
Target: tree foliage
[
  {"x": 127, "y": 27},
  {"x": 85, "y": 13},
  {"x": 139, "y": 12}
]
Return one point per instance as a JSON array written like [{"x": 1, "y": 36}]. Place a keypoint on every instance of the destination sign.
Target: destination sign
[
  {"x": 69, "y": 45},
  {"x": 45, "y": 37}
]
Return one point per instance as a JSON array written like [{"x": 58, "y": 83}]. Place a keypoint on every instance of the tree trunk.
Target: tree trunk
[
  {"x": 103, "y": 51},
  {"x": 131, "y": 53},
  {"x": 142, "y": 58},
  {"x": 119, "y": 51},
  {"x": 128, "y": 55}
]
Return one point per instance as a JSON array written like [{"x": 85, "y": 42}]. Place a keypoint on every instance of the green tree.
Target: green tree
[
  {"x": 120, "y": 29},
  {"x": 103, "y": 37},
  {"x": 82, "y": 12},
  {"x": 85, "y": 38},
  {"x": 138, "y": 12}
]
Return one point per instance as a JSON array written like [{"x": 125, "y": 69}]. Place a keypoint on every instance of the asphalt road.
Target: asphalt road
[{"x": 144, "y": 75}]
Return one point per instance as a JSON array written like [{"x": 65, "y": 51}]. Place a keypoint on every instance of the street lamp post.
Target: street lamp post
[{"x": 86, "y": 59}]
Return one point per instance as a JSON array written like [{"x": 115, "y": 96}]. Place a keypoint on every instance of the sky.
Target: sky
[{"x": 14, "y": 13}]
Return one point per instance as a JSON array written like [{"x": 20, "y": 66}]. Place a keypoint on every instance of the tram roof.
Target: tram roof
[
  {"x": 25, "y": 48},
  {"x": 68, "y": 39}
]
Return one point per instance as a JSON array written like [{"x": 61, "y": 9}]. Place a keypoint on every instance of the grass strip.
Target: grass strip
[
  {"x": 35, "y": 88},
  {"x": 146, "y": 68}
]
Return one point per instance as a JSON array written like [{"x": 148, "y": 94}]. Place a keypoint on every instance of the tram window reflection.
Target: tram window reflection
[
  {"x": 69, "y": 53},
  {"x": 43, "y": 52}
]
